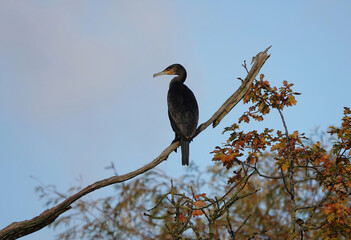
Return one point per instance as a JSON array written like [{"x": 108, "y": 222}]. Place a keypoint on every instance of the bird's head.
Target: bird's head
[{"x": 174, "y": 69}]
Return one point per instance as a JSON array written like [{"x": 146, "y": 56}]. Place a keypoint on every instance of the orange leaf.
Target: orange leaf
[
  {"x": 294, "y": 135},
  {"x": 197, "y": 213},
  {"x": 182, "y": 218},
  {"x": 199, "y": 204},
  {"x": 200, "y": 195}
]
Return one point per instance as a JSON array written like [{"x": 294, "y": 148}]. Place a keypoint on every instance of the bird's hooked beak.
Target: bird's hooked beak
[{"x": 164, "y": 72}]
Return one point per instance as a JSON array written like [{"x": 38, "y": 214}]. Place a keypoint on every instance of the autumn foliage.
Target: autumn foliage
[
  {"x": 298, "y": 165},
  {"x": 269, "y": 184}
]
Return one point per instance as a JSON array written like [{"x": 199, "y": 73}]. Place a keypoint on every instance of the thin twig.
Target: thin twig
[
  {"x": 247, "y": 218},
  {"x": 284, "y": 124}
]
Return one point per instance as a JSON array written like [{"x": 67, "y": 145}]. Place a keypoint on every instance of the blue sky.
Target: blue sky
[{"x": 77, "y": 93}]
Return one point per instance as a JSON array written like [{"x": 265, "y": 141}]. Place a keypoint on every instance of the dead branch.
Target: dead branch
[
  {"x": 258, "y": 62},
  {"x": 19, "y": 229}
]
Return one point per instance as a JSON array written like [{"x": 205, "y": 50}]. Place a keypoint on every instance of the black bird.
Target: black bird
[{"x": 183, "y": 111}]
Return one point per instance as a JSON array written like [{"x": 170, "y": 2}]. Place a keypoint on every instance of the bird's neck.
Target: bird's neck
[{"x": 179, "y": 79}]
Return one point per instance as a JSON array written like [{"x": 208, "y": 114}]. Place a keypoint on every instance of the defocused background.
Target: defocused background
[{"x": 77, "y": 93}]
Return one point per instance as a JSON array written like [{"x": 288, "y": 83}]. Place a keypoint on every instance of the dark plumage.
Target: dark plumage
[{"x": 183, "y": 111}]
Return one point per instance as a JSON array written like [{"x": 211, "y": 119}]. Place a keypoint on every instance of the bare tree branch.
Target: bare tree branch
[
  {"x": 258, "y": 61},
  {"x": 19, "y": 229}
]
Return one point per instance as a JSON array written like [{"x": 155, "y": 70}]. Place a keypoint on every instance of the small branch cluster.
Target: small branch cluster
[{"x": 184, "y": 212}]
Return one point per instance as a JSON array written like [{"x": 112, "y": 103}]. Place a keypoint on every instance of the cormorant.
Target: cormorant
[{"x": 183, "y": 111}]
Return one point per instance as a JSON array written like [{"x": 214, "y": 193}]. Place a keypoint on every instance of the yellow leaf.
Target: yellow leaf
[
  {"x": 330, "y": 217},
  {"x": 292, "y": 99},
  {"x": 285, "y": 166}
]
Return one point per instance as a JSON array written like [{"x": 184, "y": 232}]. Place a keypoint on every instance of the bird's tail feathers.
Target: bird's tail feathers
[{"x": 185, "y": 152}]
